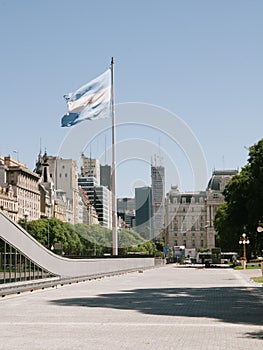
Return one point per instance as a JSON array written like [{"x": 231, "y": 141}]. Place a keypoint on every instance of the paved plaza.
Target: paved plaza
[{"x": 162, "y": 308}]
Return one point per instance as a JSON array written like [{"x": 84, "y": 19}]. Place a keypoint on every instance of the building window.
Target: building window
[{"x": 202, "y": 243}]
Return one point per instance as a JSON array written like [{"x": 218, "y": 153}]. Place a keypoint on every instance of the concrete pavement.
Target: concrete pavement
[{"x": 163, "y": 308}]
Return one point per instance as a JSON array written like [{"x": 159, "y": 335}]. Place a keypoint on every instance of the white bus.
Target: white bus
[{"x": 224, "y": 258}]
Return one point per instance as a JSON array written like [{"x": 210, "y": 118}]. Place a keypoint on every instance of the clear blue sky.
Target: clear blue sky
[{"x": 200, "y": 59}]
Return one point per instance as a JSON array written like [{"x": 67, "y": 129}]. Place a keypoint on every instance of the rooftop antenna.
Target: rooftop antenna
[
  {"x": 159, "y": 151},
  {"x": 40, "y": 146},
  {"x": 90, "y": 161}
]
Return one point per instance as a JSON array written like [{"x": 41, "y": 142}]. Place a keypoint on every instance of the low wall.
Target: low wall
[{"x": 16, "y": 236}]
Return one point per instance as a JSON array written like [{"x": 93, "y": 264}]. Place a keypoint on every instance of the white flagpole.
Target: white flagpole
[{"x": 113, "y": 168}]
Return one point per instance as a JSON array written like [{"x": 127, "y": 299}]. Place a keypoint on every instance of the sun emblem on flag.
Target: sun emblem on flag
[{"x": 90, "y": 102}]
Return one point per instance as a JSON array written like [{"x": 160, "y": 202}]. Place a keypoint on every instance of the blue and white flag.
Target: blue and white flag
[{"x": 91, "y": 101}]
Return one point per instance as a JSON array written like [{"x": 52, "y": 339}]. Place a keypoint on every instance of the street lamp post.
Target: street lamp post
[
  {"x": 260, "y": 228},
  {"x": 244, "y": 240}
]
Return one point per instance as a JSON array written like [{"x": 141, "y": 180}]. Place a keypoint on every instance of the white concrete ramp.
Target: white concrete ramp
[{"x": 16, "y": 236}]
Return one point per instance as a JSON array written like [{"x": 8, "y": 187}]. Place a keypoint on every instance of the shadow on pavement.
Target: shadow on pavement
[
  {"x": 255, "y": 335},
  {"x": 235, "y": 305}
]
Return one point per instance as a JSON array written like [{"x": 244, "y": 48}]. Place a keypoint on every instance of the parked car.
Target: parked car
[{"x": 187, "y": 261}]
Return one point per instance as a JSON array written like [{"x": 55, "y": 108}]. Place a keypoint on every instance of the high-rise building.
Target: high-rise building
[
  {"x": 64, "y": 173},
  {"x": 105, "y": 176},
  {"x": 158, "y": 198},
  {"x": 90, "y": 168},
  {"x": 126, "y": 211},
  {"x": 143, "y": 205},
  {"x": 90, "y": 216},
  {"x": 103, "y": 205},
  {"x": 100, "y": 198},
  {"x": 88, "y": 184}
]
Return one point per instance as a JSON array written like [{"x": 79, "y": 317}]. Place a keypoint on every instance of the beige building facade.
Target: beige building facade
[
  {"x": 189, "y": 216},
  {"x": 25, "y": 188},
  {"x": 90, "y": 167},
  {"x": 64, "y": 174},
  {"x": 185, "y": 219},
  {"x": 8, "y": 202}
]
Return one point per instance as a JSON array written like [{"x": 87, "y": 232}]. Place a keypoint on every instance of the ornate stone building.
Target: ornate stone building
[
  {"x": 185, "y": 219},
  {"x": 25, "y": 189},
  {"x": 189, "y": 216},
  {"x": 46, "y": 187},
  {"x": 8, "y": 202}
]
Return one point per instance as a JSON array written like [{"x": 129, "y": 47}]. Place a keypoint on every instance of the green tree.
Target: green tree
[
  {"x": 52, "y": 231},
  {"x": 227, "y": 238},
  {"x": 244, "y": 205},
  {"x": 38, "y": 229},
  {"x": 146, "y": 247},
  {"x": 128, "y": 238},
  {"x": 89, "y": 240},
  {"x": 149, "y": 247},
  {"x": 96, "y": 238}
]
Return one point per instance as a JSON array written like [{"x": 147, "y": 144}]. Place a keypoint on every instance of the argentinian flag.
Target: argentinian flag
[{"x": 91, "y": 101}]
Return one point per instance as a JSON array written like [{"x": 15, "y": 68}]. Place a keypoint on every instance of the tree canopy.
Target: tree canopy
[
  {"x": 243, "y": 208},
  {"x": 99, "y": 239},
  {"x": 51, "y": 231},
  {"x": 85, "y": 240}
]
